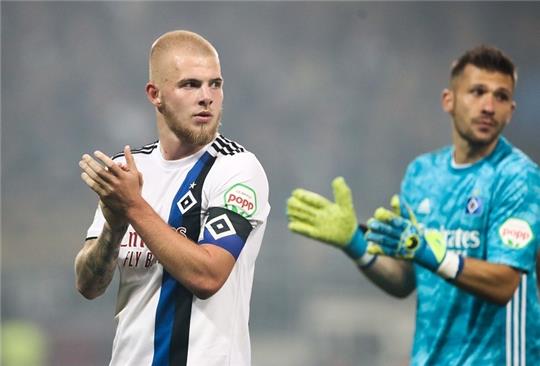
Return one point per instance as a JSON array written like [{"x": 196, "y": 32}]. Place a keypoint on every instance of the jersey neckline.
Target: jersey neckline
[{"x": 174, "y": 164}]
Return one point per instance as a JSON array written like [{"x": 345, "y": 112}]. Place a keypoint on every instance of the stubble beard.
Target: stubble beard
[
  {"x": 466, "y": 130},
  {"x": 474, "y": 141},
  {"x": 196, "y": 136}
]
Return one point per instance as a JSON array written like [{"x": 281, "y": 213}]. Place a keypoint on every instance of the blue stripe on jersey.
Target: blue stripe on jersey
[
  {"x": 175, "y": 216},
  {"x": 164, "y": 321},
  {"x": 165, "y": 312}
]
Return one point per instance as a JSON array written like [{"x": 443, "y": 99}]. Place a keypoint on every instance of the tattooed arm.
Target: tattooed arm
[{"x": 96, "y": 262}]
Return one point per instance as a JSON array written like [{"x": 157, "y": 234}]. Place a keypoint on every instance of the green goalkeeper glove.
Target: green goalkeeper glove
[
  {"x": 404, "y": 238},
  {"x": 314, "y": 216}
]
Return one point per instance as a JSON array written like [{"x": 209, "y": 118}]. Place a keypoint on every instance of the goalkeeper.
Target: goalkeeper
[{"x": 463, "y": 232}]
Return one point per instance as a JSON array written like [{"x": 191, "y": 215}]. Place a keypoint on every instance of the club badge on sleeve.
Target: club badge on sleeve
[
  {"x": 226, "y": 229},
  {"x": 220, "y": 227}
]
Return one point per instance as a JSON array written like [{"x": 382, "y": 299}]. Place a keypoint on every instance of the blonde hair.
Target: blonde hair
[{"x": 181, "y": 41}]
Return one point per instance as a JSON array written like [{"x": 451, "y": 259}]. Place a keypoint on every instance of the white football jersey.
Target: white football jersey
[{"x": 220, "y": 196}]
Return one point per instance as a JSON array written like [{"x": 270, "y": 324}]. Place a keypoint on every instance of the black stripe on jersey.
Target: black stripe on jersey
[
  {"x": 221, "y": 147},
  {"x": 225, "y": 146},
  {"x": 233, "y": 143},
  {"x": 146, "y": 149},
  {"x": 228, "y": 147},
  {"x": 191, "y": 220}
]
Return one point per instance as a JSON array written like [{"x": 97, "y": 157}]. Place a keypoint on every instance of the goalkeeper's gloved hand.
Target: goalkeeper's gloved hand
[
  {"x": 312, "y": 215},
  {"x": 403, "y": 237}
]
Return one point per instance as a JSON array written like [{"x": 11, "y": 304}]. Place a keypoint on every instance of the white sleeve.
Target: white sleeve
[
  {"x": 238, "y": 183},
  {"x": 236, "y": 205},
  {"x": 97, "y": 225}
]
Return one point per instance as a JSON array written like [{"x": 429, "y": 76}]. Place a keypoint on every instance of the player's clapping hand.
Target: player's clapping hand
[
  {"x": 334, "y": 223},
  {"x": 403, "y": 237},
  {"x": 118, "y": 185}
]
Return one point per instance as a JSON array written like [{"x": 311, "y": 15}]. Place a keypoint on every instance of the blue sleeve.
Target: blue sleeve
[{"x": 514, "y": 220}]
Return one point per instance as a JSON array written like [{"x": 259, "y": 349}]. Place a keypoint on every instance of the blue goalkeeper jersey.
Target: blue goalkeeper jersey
[{"x": 489, "y": 210}]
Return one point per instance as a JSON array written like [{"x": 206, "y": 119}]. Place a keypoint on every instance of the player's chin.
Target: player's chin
[
  {"x": 484, "y": 128},
  {"x": 204, "y": 134},
  {"x": 484, "y": 138}
]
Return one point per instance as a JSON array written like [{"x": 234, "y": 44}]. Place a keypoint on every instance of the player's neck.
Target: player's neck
[
  {"x": 467, "y": 153},
  {"x": 176, "y": 150},
  {"x": 173, "y": 148}
]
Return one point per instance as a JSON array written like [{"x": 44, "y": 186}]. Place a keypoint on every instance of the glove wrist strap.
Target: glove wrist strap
[
  {"x": 357, "y": 246},
  {"x": 451, "y": 266},
  {"x": 356, "y": 250}
]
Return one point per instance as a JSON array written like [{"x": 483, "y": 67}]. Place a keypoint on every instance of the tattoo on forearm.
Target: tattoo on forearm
[{"x": 100, "y": 260}]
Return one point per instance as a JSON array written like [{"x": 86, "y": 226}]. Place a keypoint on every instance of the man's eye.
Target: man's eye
[
  {"x": 215, "y": 84},
  {"x": 477, "y": 91},
  {"x": 503, "y": 97},
  {"x": 189, "y": 84}
]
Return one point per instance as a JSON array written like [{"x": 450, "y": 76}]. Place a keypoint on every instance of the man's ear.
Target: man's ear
[
  {"x": 514, "y": 106},
  {"x": 447, "y": 100},
  {"x": 152, "y": 93}
]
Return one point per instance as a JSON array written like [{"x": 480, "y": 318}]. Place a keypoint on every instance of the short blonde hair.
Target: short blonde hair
[{"x": 179, "y": 41}]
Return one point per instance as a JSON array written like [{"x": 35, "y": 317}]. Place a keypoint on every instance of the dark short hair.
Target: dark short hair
[{"x": 486, "y": 58}]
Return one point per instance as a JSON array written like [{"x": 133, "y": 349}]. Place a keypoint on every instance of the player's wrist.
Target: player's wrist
[
  {"x": 451, "y": 266},
  {"x": 118, "y": 228},
  {"x": 137, "y": 208},
  {"x": 356, "y": 248}
]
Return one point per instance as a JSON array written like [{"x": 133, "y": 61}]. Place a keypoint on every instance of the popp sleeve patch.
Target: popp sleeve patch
[
  {"x": 241, "y": 199},
  {"x": 226, "y": 229},
  {"x": 516, "y": 233}
]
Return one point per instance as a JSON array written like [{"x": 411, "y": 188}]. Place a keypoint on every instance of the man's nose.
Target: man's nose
[
  {"x": 205, "y": 96},
  {"x": 488, "y": 104}
]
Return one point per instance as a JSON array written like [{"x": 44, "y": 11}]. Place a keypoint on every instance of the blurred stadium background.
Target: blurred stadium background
[{"x": 315, "y": 89}]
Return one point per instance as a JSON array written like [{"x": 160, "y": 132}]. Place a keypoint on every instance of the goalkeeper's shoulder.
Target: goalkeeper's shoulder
[
  {"x": 519, "y": 166},
  {"x": 517, "y": 176},
  {"x": 428, "y": 160}
]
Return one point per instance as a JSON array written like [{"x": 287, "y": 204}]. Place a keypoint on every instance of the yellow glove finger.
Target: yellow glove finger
[
  {"x": 373, "y": 248},
  {"x": 296, "y": 204},
  {"x": 296, "y": 214},
  {"x": 394, "y": 203},
  {"x": 384, "y": 215},
  {"x": 409, "y": 214},
  {"x": 311, "y": 198},
  {"x": 303, "y": 229},
  {"x": 342, "y": 193}
]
